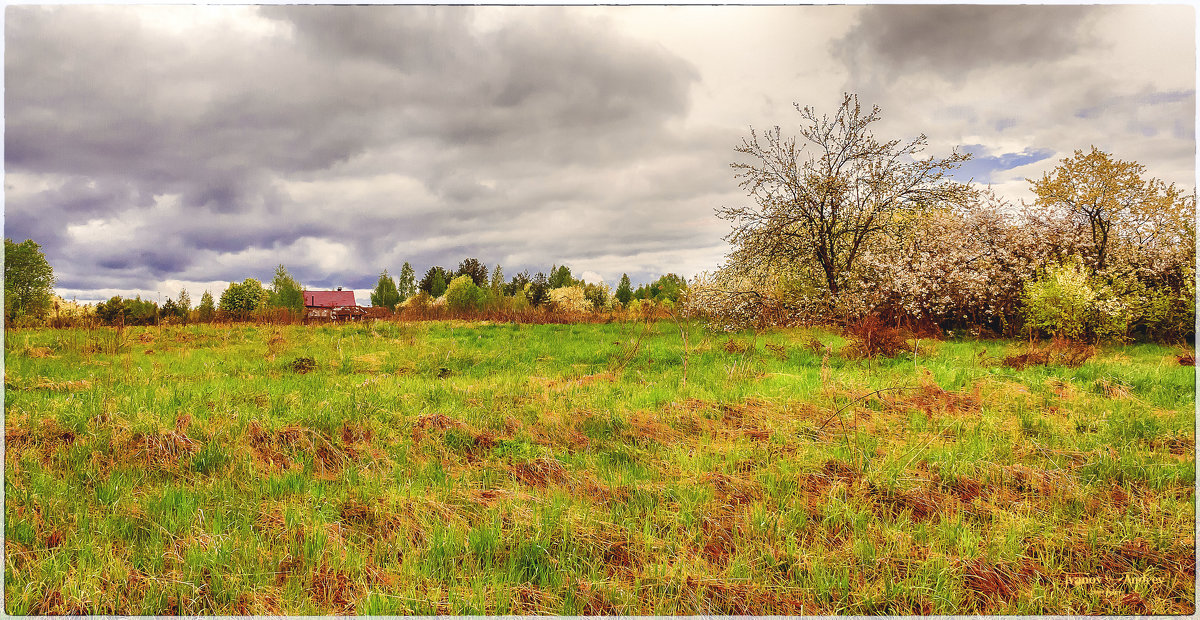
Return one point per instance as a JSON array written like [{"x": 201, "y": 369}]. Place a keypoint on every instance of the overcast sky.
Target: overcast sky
[{"x": 153, "y": 148}]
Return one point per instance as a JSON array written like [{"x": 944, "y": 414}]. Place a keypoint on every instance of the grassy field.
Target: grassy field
[{"x": 467, "y": 468}]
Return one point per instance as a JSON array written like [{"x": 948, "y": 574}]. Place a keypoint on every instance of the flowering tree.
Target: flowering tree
[
  {"x": 826, "y": 198},
  {"x": 1112, "y": 201}
]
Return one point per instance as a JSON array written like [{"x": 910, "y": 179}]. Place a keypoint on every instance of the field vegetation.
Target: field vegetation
[{"x": 629, "y": 467}]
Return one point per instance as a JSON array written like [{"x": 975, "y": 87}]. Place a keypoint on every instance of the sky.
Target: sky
[{"x": 153, "y": 148}]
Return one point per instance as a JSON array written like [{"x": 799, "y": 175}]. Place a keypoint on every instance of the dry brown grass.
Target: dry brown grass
[{"x": 1058, "y": 352}]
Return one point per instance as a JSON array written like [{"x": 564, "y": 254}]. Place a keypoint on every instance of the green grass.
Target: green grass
[{"x": 471, "y": 468}]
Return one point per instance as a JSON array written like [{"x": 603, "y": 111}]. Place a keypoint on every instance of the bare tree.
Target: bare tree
[{"x": 824, "y": 198}]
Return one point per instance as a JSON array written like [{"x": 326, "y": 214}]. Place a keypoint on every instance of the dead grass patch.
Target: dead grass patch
[
  {"x": 871, "y": 337},
  {"x": 327, "y": 458},
  {"x": 988, "y": 583},
  {"x": 930, "y": 398},
  {"x": 839, "y": 470},
  {"x": 39, "y": 352},
  {"x": 1058, "y": 352},
  {"x": 42, "y": 383},
  {"x": 712, "y": 596},
  {"x": 539, "y": 472},
  {"x": 732, "y": 490},
  {"x": 965, "y": 489},
  {"x": 163, "y": 449},
  {"x": 530, "y": 600},
  {"x": 302, "y": 365},
  {"x": 920, "y": 504},
  {"x": 333, "y": 589},
  {"x": 647, "y": 429},
  {"x": 734, "y": 347}
]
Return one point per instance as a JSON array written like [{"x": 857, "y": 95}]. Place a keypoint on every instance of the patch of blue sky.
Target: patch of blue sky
[{"x": 983, "y": 168}]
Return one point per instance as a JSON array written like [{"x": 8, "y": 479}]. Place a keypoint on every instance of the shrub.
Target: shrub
[
  {"x": 463, "y": 295},
  {"x": 872, "y": 337},
  {"x": 1068, "y": 302},
  {"x": 420, "y": 301},
  {"x": 569, "y": 299}
]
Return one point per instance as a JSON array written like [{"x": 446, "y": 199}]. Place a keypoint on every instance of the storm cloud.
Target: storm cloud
[{"x": 151, "y": 148}]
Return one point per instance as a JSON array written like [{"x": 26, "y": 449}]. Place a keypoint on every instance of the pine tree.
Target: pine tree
[
  {"x": 207, "y": 309},
  {"x": 407, "y": 285},
  {"x": 624, "y": 290},
  {"x": 497, "y": 284}
]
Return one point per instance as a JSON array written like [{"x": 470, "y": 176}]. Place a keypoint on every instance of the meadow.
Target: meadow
[{"x": 620, "y": 468}]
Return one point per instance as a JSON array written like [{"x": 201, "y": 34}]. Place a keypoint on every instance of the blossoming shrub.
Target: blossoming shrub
[{"x": 569, "y": 299}]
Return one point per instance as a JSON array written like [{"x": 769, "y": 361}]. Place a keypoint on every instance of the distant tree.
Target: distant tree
[
  {"x": 112, "y": 311},
  {"x": 668, "y": 288},
  {"x": 207, "y": 308},
  {"x": 497, "y": 285},
  {"x": 28, "y": 280},
  {"x": 476, "y": 270},
  {"x": 240, "y": 300},
  {"x": 560, "y": 277},
  {"x": 286, "y": 292},
  {"x": 140, "y": 311},
  {"x": 624, "y": 290},
  {"x": 169, "y": 311},
  {"x": 538, "y": 291},
  {"x": 597, "y": 294},
  {"x": 517, "y": 285},
  {"x": 385, "y": 293},
  {"x": 407, "y": 285},
  {"x": 438, "y": 287},
  {"x": 185, "y": 304},
  {"x": 434, "y": 274},
  {"x": 135, "y": 311},
  {"x": 464, "y": 295}
]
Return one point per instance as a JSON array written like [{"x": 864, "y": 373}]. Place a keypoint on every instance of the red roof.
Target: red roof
[{"x": 328, "y": 299}]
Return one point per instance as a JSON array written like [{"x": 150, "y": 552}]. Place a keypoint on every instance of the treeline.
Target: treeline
[
  {"x": 466, "y": 292},
  {"x": 470, "y": 288}
]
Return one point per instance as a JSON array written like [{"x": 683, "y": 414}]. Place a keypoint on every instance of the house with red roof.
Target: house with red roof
[{"x": 336, "y": 305}]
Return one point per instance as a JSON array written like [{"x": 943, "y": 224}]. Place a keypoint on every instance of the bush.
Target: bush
[
  {"x": 464, "y": 296},
  {"x": 1068, "y": 302},
  {"x": 872, "y": 337},
  {"x": 569, "y": 299}
]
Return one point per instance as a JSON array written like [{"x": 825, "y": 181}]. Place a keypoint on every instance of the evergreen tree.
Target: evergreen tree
[
  {"x": 407, "y": 285},
  {"x": 185, "y": 303},
  {"x": 497, "y": 285},
  {"x": 475, "y": 269},
  {"x": 539, "y": 290},
  {"x": 438, "y": 287},
  {"x": 624, "y": 290},
  {"x": 560, "y": 277},
  {"x": 207, "y": 308},
  {"x": 517, "y": 285},
  {"x": 385, "y": 293},
  {"x": 427, "y": 280}
]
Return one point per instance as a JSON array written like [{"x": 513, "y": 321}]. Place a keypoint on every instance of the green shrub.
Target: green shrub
[
  {"x": 1068, "y": 301},
  {"x": 464, "y": 295}
]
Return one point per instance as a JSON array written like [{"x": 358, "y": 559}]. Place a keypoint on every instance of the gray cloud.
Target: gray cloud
[
  {"x": 228, "y": 124},
  {"x": 152, "y": 145},
  {"x": 952, "y": 40}
]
